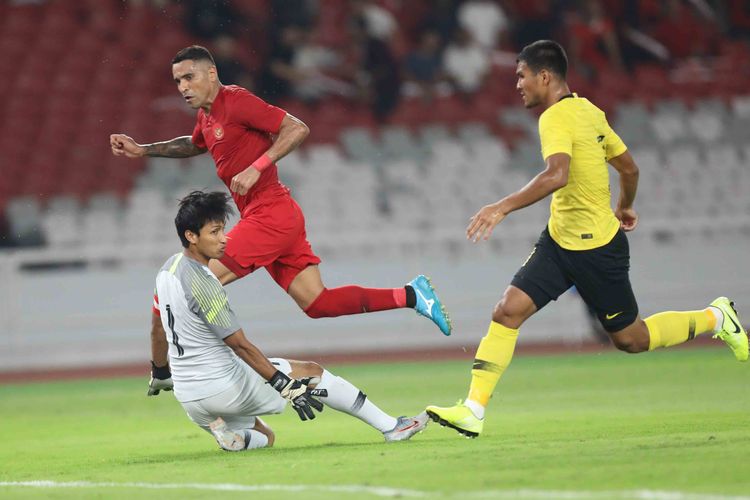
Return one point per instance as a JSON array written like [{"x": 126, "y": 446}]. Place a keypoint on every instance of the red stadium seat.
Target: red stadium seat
[
  {"x": 616, "y": 84},
  {"x": 449, "y": 110},
  {"x": 78, "y": 71},
  {"x": 482, "y": 108},
  {"x": 410, "y": 113},
  {"x": 652, "y": 84}
]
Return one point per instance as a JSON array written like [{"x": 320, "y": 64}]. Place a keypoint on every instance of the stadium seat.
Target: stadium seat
[
  {"x": 24, "y": 219},
  {"x": 633, "y": 124},
  {"x": 472, "y": 131},
  {"x": 430, "y": 134},
  {"x": 200, "y": 173},
  {"x": 519, "y": 117},
  {"x": 450, "y": 110},
  {"x": 163, "y": 174},
  {"x": 325, "y": 156},
  {"x": 61, "y": 222},
  {"x": 411, "y": 112},
  {"x": 707, "y": 122},
  {"x": 360, "y": 145},
  {"x": 398, "y": 143},
  {"x": 652, "y": 83}
]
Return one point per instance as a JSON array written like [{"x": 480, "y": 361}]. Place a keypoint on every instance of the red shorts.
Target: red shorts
[{"x": 270, "y": 234}]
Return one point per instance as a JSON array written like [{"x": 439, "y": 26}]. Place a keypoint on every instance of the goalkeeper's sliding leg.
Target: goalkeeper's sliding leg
[{"x": 232, "y": 416}]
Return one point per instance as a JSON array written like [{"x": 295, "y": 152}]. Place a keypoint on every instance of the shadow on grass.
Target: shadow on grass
[{"x": 211, "y": 454}]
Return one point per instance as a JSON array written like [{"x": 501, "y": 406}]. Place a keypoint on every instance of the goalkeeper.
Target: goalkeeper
[{"x": 221, "y": 379}]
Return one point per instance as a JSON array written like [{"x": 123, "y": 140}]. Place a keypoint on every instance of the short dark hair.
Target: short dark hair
[
  {"x": 194, "y": 53},
  {"x": 545, "y": 54},
  {"x": 200, "y": 208}
]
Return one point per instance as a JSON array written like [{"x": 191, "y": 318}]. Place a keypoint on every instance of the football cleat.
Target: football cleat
[
  {"x": 731, "y": 331},
  {"x": 429, "y": 305},
  {"x": 406, "y": 427},
  {"x": 458, "y": 417},
  {"x": 228, "y": 440}
]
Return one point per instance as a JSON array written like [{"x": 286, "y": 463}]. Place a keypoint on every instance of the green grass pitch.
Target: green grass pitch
[{"x": 605, "y": 425}]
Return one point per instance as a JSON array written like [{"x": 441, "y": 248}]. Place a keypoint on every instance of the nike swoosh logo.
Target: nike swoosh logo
[
  {"x": 429, "y": 303},
  {"x": 613, "y": 316},
  {"x": 410, "y": 427},
  {"x": 736, "y": 326}
]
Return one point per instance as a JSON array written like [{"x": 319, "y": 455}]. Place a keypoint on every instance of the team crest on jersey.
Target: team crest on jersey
[{"x": 218, "y": 132}]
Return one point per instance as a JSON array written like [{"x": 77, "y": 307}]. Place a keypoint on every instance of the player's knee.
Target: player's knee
[
  {"x": 506, "y": 316},
  {"x": 630, "y": 343},
  {"x": 313, "y": 369},
  {"x": 306, "y": 370},
  {"x": 624, "y": 344},
  {"x": 317, "y": 306},
  {"x": 315, "y": 313}
]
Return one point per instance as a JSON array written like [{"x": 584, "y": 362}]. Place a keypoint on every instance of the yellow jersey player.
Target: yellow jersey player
[{"x": 584, "y": 243}]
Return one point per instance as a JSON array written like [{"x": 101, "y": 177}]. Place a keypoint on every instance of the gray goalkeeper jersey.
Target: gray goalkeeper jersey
[{"x": 196, "y": 317}]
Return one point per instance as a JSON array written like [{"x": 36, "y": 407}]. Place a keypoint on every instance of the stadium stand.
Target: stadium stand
[{"x": 102, "y": 67}]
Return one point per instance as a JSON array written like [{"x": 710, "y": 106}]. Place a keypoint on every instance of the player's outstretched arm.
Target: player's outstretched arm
[
  {"x": 161, "y": 377},
  {"x": 290, "y": 389},
  {"x": 250, "y": 354},
  {"x": 554, "y": 176},
  {"x": 628, "y": 170},
  {"x": 180, "y": 147}
]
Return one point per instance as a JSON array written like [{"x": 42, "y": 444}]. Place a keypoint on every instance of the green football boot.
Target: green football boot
[
  {"x": 459, "y": 417},
  {"x": 732, "y": 332}
]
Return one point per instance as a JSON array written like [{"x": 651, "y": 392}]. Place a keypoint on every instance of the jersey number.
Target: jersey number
[{"x": 175, "y": 338}]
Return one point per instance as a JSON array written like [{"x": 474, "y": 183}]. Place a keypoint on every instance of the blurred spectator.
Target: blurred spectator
[
  {"x": 5, "y": 239},
  {"x": 635, "y": 45},
  {"x": 297, "y": 13},
  {"x": 533, "y": 20},
  {"x": 738, "y": 14},
  {"x": 442, "y": 18},
  {"x": 315, "y": 70},
  {"x": 278, "y": 74},
  {"x": 466, "y": 64},
  {"x": 682, "y": 30},
  {"x": 231, "y": 70},
  {"x": 377, "y": 72},
  {"x": 592, "y": 42},
  {"x": 379, "y": 22},
  {"x": 485, "y": 19},
  {"x": 210, "y": 18},
  {"x": 423, "y": 67}
]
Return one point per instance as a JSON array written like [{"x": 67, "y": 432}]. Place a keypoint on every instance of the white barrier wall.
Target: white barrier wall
[{"x": 101, "y": 315}]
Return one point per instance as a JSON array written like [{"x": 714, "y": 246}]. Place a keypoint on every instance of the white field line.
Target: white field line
[{"x": 387, "y": 492}]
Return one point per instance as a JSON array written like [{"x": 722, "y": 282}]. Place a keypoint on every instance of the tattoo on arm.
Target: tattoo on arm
[{"x": 181, "y": 147}]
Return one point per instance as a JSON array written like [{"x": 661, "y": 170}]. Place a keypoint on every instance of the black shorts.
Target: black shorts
[{"x": 600, "y": 275}]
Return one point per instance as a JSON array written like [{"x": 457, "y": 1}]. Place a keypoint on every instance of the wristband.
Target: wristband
[
  {"x": 279, "y": 380},
  {"x": 160, "y": 372},
  {"x": 262, "y": 163}
]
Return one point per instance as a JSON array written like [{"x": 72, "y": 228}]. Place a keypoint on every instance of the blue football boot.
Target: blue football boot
[{"x": 428, "y": 303}]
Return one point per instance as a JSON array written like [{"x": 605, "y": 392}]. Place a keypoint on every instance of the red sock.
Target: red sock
[{"x": 355, "y": 300}]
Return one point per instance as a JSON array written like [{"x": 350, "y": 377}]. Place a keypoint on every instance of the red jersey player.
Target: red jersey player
[{"x": 238, "y": 129}]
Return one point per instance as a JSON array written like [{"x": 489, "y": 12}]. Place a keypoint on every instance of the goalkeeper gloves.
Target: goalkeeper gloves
[
  {"x": 298, "y": 393},
  {"x": 161, "y": 379}
]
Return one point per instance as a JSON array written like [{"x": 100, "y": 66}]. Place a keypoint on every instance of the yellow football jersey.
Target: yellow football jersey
[{"x": 581, "y": 217}]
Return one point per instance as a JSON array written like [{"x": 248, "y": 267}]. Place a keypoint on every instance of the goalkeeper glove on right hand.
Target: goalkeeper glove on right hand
[
  {"x": 298, "y": 393},
  {"x": 161, "y": 379}
]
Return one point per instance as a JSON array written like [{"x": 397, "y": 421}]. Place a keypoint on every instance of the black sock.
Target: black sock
[{"x": 411, "y": 297}]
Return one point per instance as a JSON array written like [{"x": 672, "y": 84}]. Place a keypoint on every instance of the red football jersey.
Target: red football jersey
[{"x": 237, "y": 132}]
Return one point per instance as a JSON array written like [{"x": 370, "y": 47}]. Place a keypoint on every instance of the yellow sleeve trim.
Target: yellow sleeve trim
[{"x": 173, "y": 267}]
